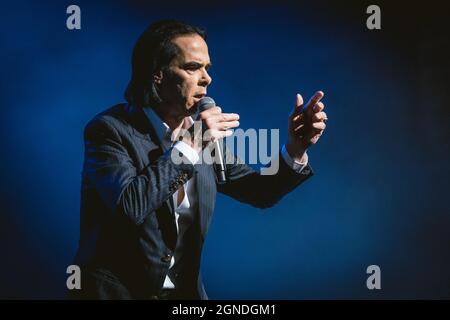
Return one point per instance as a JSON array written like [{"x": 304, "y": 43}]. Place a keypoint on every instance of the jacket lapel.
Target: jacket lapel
[{"x": 206, "y": 189}]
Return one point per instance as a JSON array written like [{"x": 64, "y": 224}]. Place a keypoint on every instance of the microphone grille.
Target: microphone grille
[{"x": 206, "y": 103}]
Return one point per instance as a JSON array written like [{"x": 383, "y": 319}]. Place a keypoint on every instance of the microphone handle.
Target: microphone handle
[{"x": 219, "y": 166}]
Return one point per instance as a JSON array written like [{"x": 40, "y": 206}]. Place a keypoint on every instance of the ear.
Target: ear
[{"x": 157, "y": 77}]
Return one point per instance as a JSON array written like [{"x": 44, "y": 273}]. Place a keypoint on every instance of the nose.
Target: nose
[{"x": 205, "y": 79}]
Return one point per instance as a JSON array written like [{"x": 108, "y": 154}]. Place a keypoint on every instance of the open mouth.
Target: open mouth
[{"x": 199, "y": 96}]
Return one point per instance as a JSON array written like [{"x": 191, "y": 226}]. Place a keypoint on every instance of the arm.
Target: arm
[
  {"x": 262, "y": 191},
  {"x": 305, "y": 126},
  {"x": 110, "y": 170}
]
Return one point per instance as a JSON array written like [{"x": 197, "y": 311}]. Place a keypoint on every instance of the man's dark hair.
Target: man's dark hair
[{"x": 154, "y": 51}]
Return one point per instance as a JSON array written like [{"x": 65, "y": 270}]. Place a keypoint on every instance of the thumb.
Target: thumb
[
  {"x": 299, "y": 101},
  {"x": 298, "y": 106}
]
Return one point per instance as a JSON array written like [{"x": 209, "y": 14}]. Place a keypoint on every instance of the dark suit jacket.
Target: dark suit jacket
[{"x": 127, "y": 227}]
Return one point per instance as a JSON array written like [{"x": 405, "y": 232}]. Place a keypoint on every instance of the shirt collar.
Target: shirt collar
[{"x": 161, "y": 128}]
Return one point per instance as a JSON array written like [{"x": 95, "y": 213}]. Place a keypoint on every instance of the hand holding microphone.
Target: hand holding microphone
[{"x": 215, "y": 126}]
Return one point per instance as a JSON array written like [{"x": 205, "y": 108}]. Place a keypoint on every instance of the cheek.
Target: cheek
[
  {"x": 183, "y": 93},
  {"x": 186, "y": 86},
  {"x": 187, "y": 89}
]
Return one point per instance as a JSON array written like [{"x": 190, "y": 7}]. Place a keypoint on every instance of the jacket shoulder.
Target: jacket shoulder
[{"x": 115, "y": 117}]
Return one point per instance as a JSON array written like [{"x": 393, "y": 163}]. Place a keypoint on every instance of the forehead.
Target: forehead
[{"x": 192, "y": 48}]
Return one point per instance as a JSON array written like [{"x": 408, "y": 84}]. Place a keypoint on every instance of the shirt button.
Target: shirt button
[{"x": 166, "y": 258}]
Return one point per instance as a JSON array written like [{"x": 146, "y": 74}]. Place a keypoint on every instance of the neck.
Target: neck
[{"x": 167, "y": 115}]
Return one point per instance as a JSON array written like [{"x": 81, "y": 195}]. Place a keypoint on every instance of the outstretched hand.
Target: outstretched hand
[{"x": 306, "y": 125}]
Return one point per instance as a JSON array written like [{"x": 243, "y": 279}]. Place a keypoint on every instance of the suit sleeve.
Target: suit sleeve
[
  {"x": 261, "y": 190},
  {"x": 110, "y": 170}
]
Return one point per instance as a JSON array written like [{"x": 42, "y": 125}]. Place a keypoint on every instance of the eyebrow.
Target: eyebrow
[{"x": 196, "y": 64}]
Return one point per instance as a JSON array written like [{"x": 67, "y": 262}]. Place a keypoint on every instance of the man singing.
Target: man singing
[{"x": 144, "y": 217}]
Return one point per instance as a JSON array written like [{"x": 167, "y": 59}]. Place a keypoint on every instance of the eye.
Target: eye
[{"x": 192, "y": 66}]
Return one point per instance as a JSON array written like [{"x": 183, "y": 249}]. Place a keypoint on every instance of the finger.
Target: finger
[
  {"x": 226, "y": 125},
  {"x": 209, "y": 112},
  {"x": 313, "y": 101},
  {"x": 318, "y": 107},
  {"x": 213, "y": 135},
  {"x": 319, "y": 116},
  {"x": 315, "y": 138},
  {"x": 317, "y": 126},
  {"x": 227, "y": 133},
  {"x": 299, "y": 127},
  {"x": 298, "y": 117},
  {"x": 224, "y": 117},
  {"x": 213, "y": 110}
]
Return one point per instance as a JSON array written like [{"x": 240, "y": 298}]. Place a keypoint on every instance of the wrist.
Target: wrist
[{"x": 295, "y": 152}]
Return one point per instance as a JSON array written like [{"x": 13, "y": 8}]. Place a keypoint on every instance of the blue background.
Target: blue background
[{"x": 381, "y": 169}]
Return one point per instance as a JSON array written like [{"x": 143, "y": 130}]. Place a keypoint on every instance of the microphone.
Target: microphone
[{"x": 204, "y": 104}]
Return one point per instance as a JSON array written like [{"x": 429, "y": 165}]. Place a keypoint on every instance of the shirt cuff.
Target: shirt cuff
[
  {"x": 295, "y": 165},
  {"x": 187, "y": 151}
]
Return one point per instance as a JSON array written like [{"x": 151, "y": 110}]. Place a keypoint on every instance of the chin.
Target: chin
[
  {"x": 191, "y": 110},
  {"x": 191, "y": 106}
]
